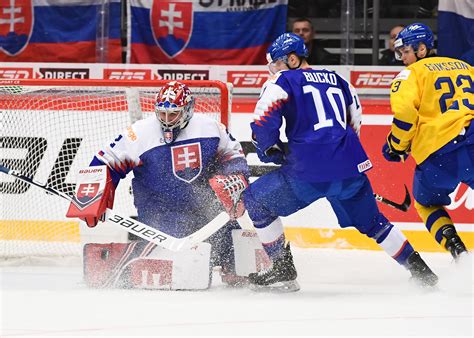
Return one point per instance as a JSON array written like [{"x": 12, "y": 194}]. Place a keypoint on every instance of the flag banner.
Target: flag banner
[
  {"x": 204, "y": 31},
  {"x": 59, "y": 30},
  {"x": 455, "y": 27}
]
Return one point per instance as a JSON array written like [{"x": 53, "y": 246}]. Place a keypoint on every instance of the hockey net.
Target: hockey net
[{"x": 50, "y": 129}]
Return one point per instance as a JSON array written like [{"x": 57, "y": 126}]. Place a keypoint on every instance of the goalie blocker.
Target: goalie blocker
[
  {"x": 141, "y": 265},
  {"x": 94, "y": 194}
]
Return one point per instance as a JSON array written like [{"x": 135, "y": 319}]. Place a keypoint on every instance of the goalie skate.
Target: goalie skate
[{"x": 281, "y": 277}]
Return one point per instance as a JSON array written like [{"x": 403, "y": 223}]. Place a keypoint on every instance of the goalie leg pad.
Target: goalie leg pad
[
  {"x": 249, "y": 255},
  {"x": 129, "y": 265},
  {"x": 100, "y": 261}
]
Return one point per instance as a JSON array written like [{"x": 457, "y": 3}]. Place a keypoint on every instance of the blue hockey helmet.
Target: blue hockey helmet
[
  {"x": 285, "y": 44},
  {"x": 412, "y": 35}
]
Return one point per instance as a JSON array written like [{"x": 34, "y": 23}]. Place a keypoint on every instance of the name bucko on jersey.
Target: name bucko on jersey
[{"x": 321, "y": 77}]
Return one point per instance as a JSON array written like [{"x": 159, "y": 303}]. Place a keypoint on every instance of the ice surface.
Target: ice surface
[{"x": 343, "y": 292}]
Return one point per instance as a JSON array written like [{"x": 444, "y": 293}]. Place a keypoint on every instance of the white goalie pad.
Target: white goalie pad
[
  {"x": 249, "y": 254},
  {"x": 122, "y": 265},
  {"x": 188, "y": 269}
]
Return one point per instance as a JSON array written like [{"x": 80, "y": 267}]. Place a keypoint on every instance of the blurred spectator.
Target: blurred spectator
[
  {"x": 317, "y": 54},
  {"x": 388, "y": 55}
]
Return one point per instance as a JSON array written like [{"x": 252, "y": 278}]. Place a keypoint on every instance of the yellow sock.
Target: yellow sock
[{"x": 435, "y": 218}]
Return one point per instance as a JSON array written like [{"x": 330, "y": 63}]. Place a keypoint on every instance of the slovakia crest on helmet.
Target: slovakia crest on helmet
[
  {"x": 172, "y": 24},
  {"x": 16, "y": 25},
  {"x": 187, "y": 161}
]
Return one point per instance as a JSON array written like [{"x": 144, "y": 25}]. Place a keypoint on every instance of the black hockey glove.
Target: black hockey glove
[
  {"x": 391, "y": 154},
  {"x": 274, "y": 154}
]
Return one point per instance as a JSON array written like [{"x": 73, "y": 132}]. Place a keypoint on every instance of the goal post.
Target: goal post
[{"x": 51, "y": 128}]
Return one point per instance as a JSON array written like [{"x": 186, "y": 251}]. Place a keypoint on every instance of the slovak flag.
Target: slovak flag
[
  {"x": 16, "y": 25},
  {"x": 58, "y": 30},
  {"x": 171, "y": 24},
  {"x": 204, "y": 32}
]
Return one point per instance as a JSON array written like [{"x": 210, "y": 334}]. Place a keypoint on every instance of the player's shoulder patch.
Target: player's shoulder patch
[{"x": 403, "y": 75}]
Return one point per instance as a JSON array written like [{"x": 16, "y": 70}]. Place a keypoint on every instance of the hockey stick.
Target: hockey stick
[
  {"x": 404, "y": 206},
  {"x": 135, "y": 227}
]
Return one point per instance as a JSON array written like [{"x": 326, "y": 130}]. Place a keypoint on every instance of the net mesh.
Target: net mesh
[{"x": 48, "y": 133}]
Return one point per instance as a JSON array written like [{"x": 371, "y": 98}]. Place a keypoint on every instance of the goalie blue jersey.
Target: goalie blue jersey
[{"x": 322, "y": 115}]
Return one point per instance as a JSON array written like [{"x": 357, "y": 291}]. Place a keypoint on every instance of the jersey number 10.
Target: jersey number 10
[{"x": 330, "y": 94}]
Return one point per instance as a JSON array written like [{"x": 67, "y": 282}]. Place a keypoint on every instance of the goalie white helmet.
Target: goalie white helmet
[{"x": 174, "y": 107}]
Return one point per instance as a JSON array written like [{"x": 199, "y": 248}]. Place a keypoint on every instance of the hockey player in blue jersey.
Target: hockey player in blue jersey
[
  {"x": 324, "y": 159},
  {"x": 173, "y": 155}
]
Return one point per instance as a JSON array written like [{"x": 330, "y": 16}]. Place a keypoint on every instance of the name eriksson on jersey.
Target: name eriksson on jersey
[
  {"x": 321, "y": 77},
  {"x": 451, "y": 65}
]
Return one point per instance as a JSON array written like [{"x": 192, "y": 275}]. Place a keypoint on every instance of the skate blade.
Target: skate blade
[
  {"x": 279, "y": 287},
  {"x": 427, "y": 286},
  {"x": 464, "y": 258},
  {"x": 237, "y": 285}
]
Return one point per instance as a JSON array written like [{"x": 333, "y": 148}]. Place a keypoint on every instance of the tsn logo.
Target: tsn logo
[
  {"x": 15, "y": 73},
  {"x": 247, "y": 79},
  {"x": 122, "y": 74},
  {"x": 372, "y": 79}
]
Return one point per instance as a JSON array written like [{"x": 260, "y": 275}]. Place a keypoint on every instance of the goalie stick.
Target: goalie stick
[
  {"x": 135, "y": 227},
  {"x": 400, "y": 206}
]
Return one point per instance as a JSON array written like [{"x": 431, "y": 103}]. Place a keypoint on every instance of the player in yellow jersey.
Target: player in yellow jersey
[{"x": 433, "y": 105}]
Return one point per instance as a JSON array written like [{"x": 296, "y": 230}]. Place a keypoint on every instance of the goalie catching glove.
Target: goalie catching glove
[
  {"x": 94, "y": 194},
  {"x": 228, "y": 190}
]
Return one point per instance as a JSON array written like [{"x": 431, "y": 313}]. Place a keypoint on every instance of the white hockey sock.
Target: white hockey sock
[
  {"x": 271, "y": 232},
  {"x": 395, "y": 243}
]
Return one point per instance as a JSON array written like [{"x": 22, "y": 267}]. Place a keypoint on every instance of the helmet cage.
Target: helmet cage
[
  {"x": 174, "y": 107},
  {"x": 171, "y": 116}
]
